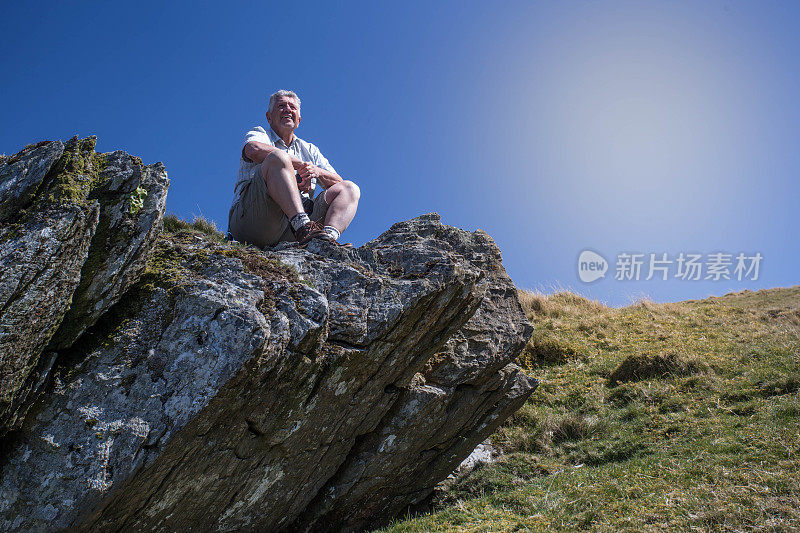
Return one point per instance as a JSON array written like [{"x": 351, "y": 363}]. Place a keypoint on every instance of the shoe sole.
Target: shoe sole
[{"x": 337, "y": 243}]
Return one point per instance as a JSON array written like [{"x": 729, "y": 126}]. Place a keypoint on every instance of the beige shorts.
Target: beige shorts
[{"x": 255, "y": 218}]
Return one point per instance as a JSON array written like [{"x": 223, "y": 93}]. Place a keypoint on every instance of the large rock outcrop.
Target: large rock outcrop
[
  {"x": 230, "y": 389},
  {"x": 75, "y": 229}
]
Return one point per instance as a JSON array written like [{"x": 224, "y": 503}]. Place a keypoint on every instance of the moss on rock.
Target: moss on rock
[{"x": 74, "y": 176}]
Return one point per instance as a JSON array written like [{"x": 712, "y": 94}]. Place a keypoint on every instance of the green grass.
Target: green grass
[{"x": 681, "y": 416}]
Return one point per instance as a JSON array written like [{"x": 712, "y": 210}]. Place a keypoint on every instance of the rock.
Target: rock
[
  {"x": 460, "y": 397},
  {"x": 39, "y": 272},
  {"x": 296, "y": 389},
  {"x": 133, "y": 199},
  {"x": 22, "y": 174},
  {"x": 484, "y": 453},
  {"x": 70, "y": 244}
]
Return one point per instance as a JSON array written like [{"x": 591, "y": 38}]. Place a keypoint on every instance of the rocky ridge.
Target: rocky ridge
[{"x": 198, "y": 384}]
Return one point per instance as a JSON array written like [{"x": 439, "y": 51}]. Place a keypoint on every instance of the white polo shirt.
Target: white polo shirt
[{"x": 302, "y": 150}]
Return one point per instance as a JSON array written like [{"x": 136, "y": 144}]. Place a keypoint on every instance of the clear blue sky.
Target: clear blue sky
[{"x": 650, "y": 127}]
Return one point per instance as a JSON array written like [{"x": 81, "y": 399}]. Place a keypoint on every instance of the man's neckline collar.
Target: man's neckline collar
[{"x": 277, "y": 138}]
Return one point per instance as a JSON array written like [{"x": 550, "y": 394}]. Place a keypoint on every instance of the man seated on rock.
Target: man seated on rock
[{"x": 274, "y": 194}]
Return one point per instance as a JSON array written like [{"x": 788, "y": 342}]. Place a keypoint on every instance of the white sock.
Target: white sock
[
  {"x": 332, "y": 232},
  {"x": 299, "y": 220}
]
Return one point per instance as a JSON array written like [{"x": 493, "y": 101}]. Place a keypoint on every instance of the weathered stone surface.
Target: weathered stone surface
[
  {"x": 229, "y": 392},
  {"x": 43, "y": 244},
  {"x": 70, "y": 245},
  {"x": 460, "y": 397},
  {"x": 21, "y": 175},
  {"x": 132, "y": 202},
  {"x": 39, "y": 271}
]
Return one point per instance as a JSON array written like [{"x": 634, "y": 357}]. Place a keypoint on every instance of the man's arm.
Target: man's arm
[{"x": 256, "y": 152}]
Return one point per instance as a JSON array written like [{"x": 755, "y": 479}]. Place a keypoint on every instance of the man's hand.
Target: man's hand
[
  {"x": 304, "y": 184},
  {"x": 323, "y": 177},
  {"x": 308, "y": 171}
]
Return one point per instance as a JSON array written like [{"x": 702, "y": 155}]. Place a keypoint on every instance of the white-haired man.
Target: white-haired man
[{"x": 278, "y": 172}]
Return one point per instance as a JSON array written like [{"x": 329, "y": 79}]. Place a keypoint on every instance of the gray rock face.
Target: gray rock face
[
  {"x": 235, "y": 390},
  {"x": 39, "y": 271},
  {"x": 463, "y": 393},
  {"x": 132, "y": 201},
  {"x": 70, "y": 244},
  {"x": 22, "y": 175}
]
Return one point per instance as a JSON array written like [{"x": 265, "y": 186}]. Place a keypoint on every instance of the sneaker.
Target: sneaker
[{"x": 308, "y": 232}]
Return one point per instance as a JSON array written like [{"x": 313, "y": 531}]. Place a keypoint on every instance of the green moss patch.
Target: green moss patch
[{"x": 73, "y": 176}]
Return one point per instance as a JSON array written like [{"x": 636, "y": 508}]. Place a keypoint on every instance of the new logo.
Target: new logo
[{"x": 591, "y": 266}]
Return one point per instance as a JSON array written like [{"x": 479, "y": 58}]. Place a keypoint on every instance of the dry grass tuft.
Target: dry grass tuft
[
  {"x": 641, "y": 367},
  {"x": 542, "y": 351},
  {"x": 555, "y": 305},
  {"x": 173, "y": 224}
]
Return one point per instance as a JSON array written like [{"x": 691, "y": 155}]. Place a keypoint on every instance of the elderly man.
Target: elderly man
[{"x": 278, "y": 172}]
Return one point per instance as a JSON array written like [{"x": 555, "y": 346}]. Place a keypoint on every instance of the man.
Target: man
[{"x": 278, "y": 172}]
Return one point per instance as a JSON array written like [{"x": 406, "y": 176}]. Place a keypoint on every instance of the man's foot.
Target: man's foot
[
  {"x": 325, "y": 236},
  {"x": 332, "y": 236},
  {"x": 308, "y": 231}
]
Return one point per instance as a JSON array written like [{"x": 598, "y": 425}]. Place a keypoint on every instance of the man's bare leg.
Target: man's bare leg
[
  {"x": 342, "y": 199},
  {"x": 278, "y": 172}
]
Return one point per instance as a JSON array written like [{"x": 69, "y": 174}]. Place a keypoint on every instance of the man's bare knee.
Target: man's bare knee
[
  {"x": 347, "y": 189},
  {"x": 352, "y": 189},
  {"x": 278, "y": 158}
]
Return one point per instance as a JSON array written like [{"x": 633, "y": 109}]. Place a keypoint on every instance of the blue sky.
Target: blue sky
[{"x": 620, "y": 127}]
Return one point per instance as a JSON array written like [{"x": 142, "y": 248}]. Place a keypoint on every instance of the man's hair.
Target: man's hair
[{"x": 283, "y": 92}]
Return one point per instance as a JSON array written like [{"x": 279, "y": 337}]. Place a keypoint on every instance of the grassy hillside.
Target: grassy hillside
[{"x": 681, "y": 416}]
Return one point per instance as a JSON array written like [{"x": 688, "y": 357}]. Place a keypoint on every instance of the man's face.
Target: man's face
[{"x": 285, "y": 113}]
